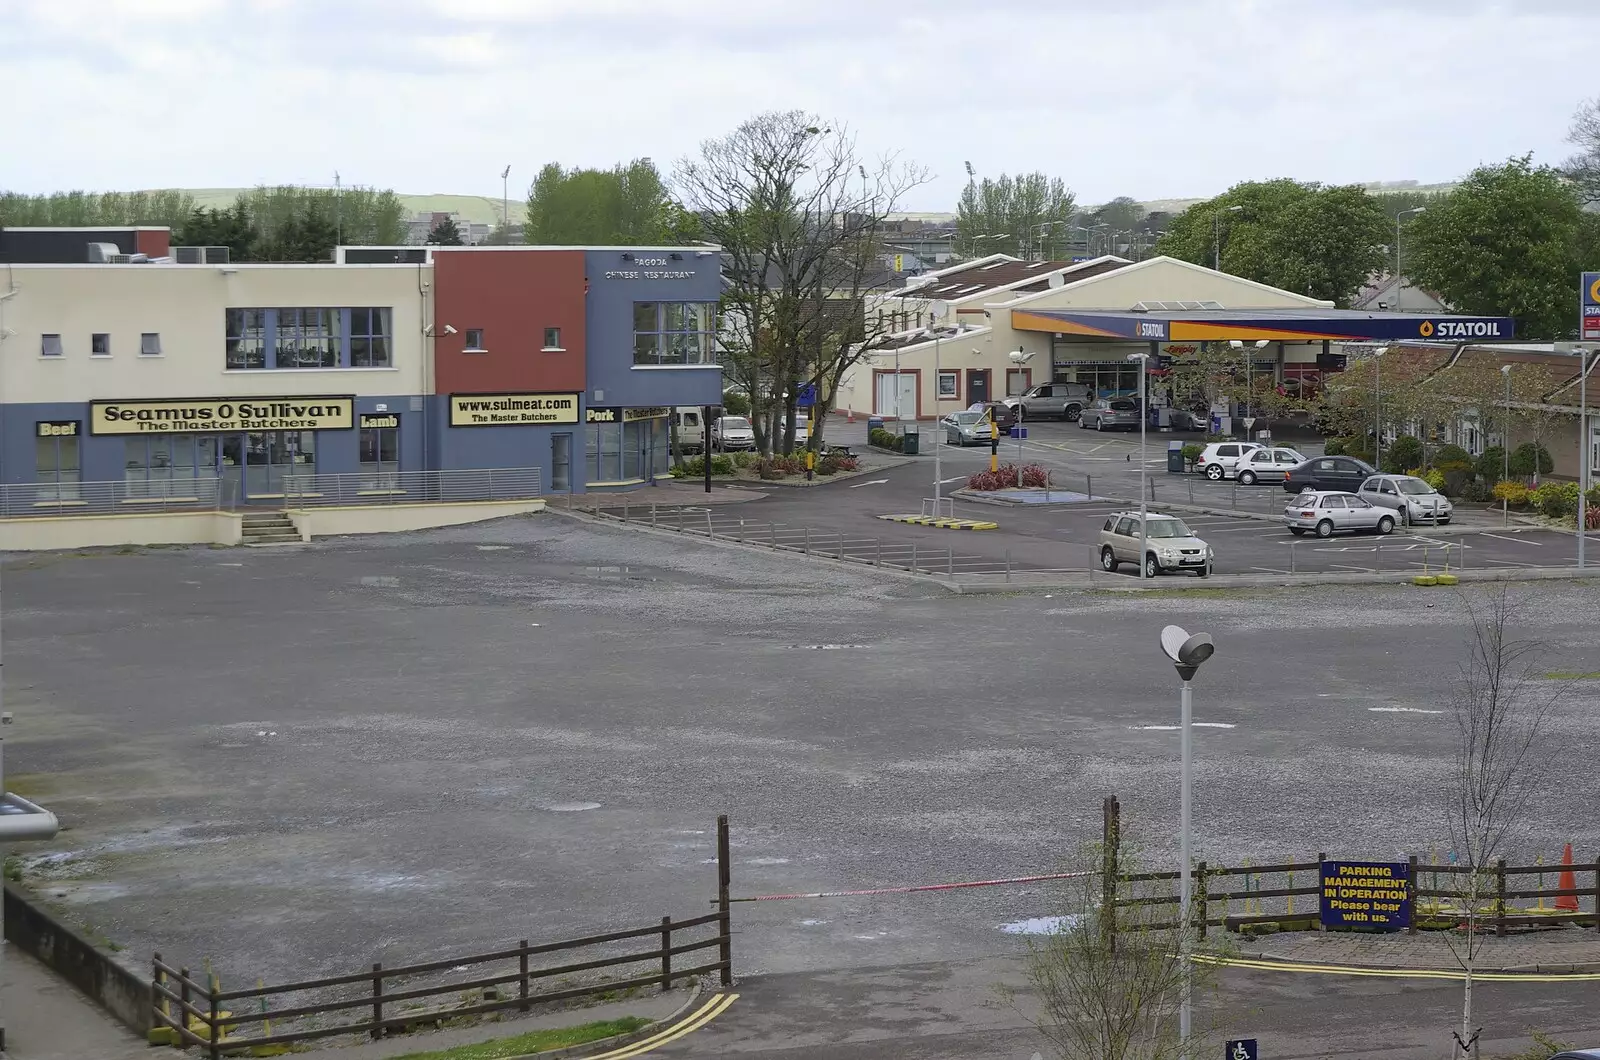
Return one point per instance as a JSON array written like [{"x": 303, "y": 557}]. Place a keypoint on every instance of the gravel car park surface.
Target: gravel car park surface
[{"x": 391, "y": 748}]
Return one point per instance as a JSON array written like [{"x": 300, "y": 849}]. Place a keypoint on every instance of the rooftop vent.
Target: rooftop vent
[{"x": 102, "y": 253}]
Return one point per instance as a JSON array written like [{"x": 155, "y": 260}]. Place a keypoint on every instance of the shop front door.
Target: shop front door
[{"x": 254, "y": 464}]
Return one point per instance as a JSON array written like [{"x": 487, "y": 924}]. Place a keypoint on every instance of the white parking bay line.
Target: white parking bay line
[
  {"x": 1270, "y": 570},
  {"x": 1513, "y": 540},
  {"x": 1358, "y": 570}
]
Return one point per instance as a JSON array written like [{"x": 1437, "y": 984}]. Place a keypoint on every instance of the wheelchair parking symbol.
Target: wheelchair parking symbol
[{"x": 1241, "y": 1049}]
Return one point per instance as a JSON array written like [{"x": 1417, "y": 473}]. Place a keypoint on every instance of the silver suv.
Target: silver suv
[
  {"x": 1063, "y": 401},
  {"x": 1172, "y": 545}
]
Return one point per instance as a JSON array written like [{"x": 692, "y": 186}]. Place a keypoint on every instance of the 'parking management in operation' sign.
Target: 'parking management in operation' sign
[
  {"x": 1589, "y": 329},
  {"x": 1375, "y": 895}
]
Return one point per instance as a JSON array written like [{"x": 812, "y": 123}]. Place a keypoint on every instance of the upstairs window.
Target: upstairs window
[
  {"x": 150, "y": 344},
  {"x": 49, "y": 345},
  {"x": 100, "y": 344},
  {"x": 674, "y": 332},
  {"x": 288, "y": 338},
  {"x": 247, "y": 338},
  {"x": 307, "y": 338},
  {"x": 370, "y": 338}
]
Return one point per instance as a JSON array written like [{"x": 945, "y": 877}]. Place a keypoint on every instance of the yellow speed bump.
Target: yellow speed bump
[
  {"x": 1395, "y": 973},
  {"x": 688, "y": 1025},
  {"x": 942, "y": 524}
]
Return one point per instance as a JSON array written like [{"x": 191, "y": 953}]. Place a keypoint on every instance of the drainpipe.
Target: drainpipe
[{"x": 425, "y": 384}]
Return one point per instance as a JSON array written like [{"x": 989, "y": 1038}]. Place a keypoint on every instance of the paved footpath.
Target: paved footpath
[{"x": 1562, "y": 949}]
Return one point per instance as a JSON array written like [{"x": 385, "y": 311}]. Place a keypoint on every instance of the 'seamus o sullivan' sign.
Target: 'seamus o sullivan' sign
[{"x": 191, "y": 415}]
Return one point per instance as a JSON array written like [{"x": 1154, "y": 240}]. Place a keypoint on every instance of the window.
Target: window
[
  {"x": 1125, "y": 526},
  {"x": 100, "y": 344},
  {"x": 475, "y": 340},
  {"x": 561, "y": 462},
  {"x": 247, "y": 342},
  {"x": 674, "y": 332},
  {"x": 380, "y": 458},
  {"x": 307, "y": 338},
  {"x": 150, "y": 344},
  {"x": 552, "y": 338},
  {"x": 167, "y": 467},
  {"x": 1227, "y": 450},
  {"x": 49, "y": 345},
  {"x": 55, "y": 468},
  {"x": 949, "y": 384},
  {"x": 370, "y": 338},
  {"x": 1017, "y": 381}
]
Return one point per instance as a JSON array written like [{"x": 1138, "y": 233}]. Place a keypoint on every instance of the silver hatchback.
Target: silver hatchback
[
  {"x": 1411, "y": 498},
  {"x": 1326, "y": 513}
]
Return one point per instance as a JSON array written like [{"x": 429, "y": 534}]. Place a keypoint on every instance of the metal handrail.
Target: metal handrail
[
  {"x": 20, "y": 499},
  {"x": 413, "y": 487}
]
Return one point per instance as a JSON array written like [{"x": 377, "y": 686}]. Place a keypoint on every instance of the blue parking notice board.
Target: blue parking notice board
[{"x": 1373, "y": 895}]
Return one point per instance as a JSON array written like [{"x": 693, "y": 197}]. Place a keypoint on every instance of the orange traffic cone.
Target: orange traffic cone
[{"x": 1567, "y": 881}]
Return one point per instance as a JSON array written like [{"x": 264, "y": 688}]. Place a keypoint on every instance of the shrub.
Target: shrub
[
  {"x": 1557, "y": 500},
  {"x": 1490, "y": 464},
  {"x": 1404, "y": 452},
  {"x": 1514, "y": 494},
  {"x": 1434, "y": 477},
  {"x": 1475, "y": 491},
  {"x": 834, "y": 463},
  {"x": 1334, "y": 447},
  {"x": 735, "y": 403},
  {"x": 1531, "y": 458},
  {"x": 742, "y": 459},
  {"x": 1191, "y": 453},
  {"x": 1591, "y": 517},
  {"x": 696, "y": 466},
  {"x": 1452, "y": 458},
  {"x": 886, "y": 440},
  {"x": 1006, "y": 478}
]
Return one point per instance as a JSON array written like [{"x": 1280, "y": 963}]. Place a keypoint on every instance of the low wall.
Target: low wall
[
  {"x": 394, "y": 518},
  {"x": 35, "y": 533},
  {"x": 77, "y": 960}
]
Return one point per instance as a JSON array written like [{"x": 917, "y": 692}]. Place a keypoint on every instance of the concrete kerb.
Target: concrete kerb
[
  {"x": 617, "y": 1040},
  {"x": 1577, "y": 968}
]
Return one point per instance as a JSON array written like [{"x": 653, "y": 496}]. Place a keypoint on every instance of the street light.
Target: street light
[
  {"x": 1505, "y": 432},
  {"x": 1216, "y": 236},
  {"x": 1377, "y": 409},
  {"x": 1019, "y": 357},
  {"x": 1144, "y": 468},
  {"x": 1187, "y": 653},
  {"x": 936, "y": 313},
  {"x": 1399, "y": 278},
  {"x": 505, "y": 202}
]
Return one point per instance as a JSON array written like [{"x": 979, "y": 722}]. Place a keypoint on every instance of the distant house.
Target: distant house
[{"x": 1398, "y": 294}]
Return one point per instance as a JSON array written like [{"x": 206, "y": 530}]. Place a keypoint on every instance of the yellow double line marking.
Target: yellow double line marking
[
  {"x": 1397, "y": 973},
  {"x": 699, "y": 1018}
]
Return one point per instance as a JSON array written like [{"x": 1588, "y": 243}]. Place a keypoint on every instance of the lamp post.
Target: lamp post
[
  {"x": 1399, "y": 277},
  {"x": 1583, "y": 450},
  {"x": 1144, "y": 468},
  {"x": 1187, "y": 653},
  {"x": 936, "y": 313},
  {"x": 1216, "y": 235},
  {"x": 505, "y": 205},
  {"x": 1019, "y": 357},
  {"x": 1377, "y": 408},
  {"x": 1505, "y": 432}
]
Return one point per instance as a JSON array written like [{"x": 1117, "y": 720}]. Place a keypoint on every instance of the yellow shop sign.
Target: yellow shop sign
[{"x": 221, "y": 414}]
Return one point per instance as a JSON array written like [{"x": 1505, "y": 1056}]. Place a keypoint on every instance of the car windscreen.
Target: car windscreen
[
  {"x": 969, "y": 417},
  {"x": 737, "y": 423},
  {"x": 1414, "y": 486},
  {"x": 1168, "y": 528}
]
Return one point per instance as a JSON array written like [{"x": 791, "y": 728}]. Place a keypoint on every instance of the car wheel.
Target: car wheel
[
  {"x": 1152, "y": 568},
  {"x": 1108, "y": 560},
  {"x": 1297, "y": 531},
  {"x": 1386, "y": 525},
  {"x": 1022, "y": 414},
  {"x": 1083, "y": 424},
  {"x": 1247, "y": 478},
  {"x": 1071, "y": 413},
  {"x": 1325, "y": 528},
  {"x": 1204, "y": 572},
  {"x": 1099, "y": 425},
  {"x": 1214, "y": 472}
]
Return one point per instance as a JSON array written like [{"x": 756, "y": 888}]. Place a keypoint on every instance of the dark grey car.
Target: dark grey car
[{"x": 1111, "y": 414}]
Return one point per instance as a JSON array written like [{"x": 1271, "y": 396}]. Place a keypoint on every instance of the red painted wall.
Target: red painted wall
[
  {"x": 156, "y": 242},
  {"x": 513, "y": 295}
]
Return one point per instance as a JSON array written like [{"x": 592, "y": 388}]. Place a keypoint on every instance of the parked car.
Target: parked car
[
  {"x": 1327, "y": 512},
  {"x": 1111, "y": 414},
  {"x": 1339, "y": 473},
  {"x": 1220, "y": 459},
  {"x": 1267, "y": 464},
  {"x": 1060, "y": 401},
  {"x": 1412, "y": 499},
  {"x": 1005, "y": 416},
  {"x": 1172, "y": 545},
  {"x": 729, "y": 433},
  {"x": 1577, "y": 1054},
  {"x": 967, "y": 427},
  {"x": 691, "y": 429}
]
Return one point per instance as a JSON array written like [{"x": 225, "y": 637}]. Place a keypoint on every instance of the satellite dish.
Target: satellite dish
[{"x": 938, "y": 309}]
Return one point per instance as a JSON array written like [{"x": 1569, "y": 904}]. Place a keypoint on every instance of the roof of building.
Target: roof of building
[
  {"x": 1539, "y": 374},
  {"x": 1296, "y": 324},
  {"x": 975, "y": 279}
]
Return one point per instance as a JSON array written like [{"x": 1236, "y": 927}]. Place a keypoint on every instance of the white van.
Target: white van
[{"x": 690, "y": 424}]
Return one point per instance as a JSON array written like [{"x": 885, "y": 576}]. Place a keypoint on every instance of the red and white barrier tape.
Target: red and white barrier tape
[{"x": 922, "y": 887}]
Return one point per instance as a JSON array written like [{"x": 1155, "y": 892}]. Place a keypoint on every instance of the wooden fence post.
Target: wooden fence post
[
  {"x": 183, "y": 1009},
  {"x": 158, "y": 979},
  {"x": 215, "y": 1035},
  {"x": 724, "y": 882},
  {"x": 666, "y": 953},
  {"x": 1110, "y": 840},
  {"x": 1202, "y": 902},
  {"x": 1500, "y": 897},
  {"x": 1596, "y": 893},
  {"x": 522, "y": 967},
  {"x": 377, "y": 1001},
  {"x": 1322, "y": 855},
  {"x": 1411, "y": 889}
]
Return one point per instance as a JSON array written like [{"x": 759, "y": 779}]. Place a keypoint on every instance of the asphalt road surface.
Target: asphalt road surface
[{"x": 298, "y": 761}]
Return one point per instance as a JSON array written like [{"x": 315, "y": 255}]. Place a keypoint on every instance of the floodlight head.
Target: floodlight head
[
  {"x": 1236, "y": 344},
  {"x": 1186, "y": 651},
  {"x": 1021, "y": 356},
  {"x": 1261, "y": 344},
  {"x": 1505, "y": 369},
  {"x": 1140, "y": 356}
]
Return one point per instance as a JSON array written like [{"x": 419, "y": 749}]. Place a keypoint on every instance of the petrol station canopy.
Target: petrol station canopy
[{"x": 1290, "y": 325}]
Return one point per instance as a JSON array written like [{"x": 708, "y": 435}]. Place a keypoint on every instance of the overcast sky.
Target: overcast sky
[{"x": 1149, "y": 98}]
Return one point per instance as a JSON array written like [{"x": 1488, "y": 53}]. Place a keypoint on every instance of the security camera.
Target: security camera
[
  {"x": 1186, "y": 652},
  {"x": 448, "y": 330},
  {"x": 5, "y": 718}
]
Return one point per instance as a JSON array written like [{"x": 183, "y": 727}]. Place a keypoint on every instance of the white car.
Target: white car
[
  {"x": 1220, "y": 459},
  {"x": 1416, "y": 502},
  {"x": 732, "y": 432},
  {"x": 1271, "y": 464},
  {"x": 1328, "y": 512}
]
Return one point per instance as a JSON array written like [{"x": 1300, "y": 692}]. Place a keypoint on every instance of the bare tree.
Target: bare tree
[
  {"x": 1108, "y": 979},
  {"x": 800, "y": 215},
  {"x": 1583, "y": 168},
  {"x": 1499, "y": 707}
]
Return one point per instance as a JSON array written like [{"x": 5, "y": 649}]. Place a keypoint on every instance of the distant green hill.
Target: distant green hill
[{"x": 482, "y": 209}]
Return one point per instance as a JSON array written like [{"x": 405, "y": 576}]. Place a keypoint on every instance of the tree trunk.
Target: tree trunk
[{"x": 1466, "y": 985}]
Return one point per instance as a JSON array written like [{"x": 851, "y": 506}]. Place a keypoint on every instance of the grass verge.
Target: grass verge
[{"x": 534, "y": 1041}]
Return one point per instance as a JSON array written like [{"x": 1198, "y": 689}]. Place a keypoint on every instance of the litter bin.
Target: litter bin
[
  {"x": 874, "y": 423},
  {"x": 913, "y": 439},
  {"x": 1175, "y": 457}
]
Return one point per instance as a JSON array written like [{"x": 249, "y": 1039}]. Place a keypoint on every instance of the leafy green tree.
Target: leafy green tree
[
  {"x": 356, "y": 215},
  {"x": 81, "y": 209},
  {"x": 1016, "y": 214},
  {"x": 1303, "y": 237},
  {"x": 617, "y": 206},
  {"x": 228, "y": 227},
  {"x": 445, "y": 233},
  {"x": 1509, "y": 240}
]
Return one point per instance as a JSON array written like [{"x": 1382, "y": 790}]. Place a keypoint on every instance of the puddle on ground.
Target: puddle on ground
[
  {"x": 380, "y": 581},
  {"x": 1041, "y": 925},
  {"x": 493, "y": 548},
  {"x": 572, "y": 807},
  {"x": 618, "y": 574}
]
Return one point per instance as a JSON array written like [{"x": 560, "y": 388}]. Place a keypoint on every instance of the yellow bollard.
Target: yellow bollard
[{"x": 1445, "y": 577}]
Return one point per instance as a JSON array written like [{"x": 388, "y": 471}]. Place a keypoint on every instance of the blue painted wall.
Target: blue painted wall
[
  {"x": 609, "y": 327},
  {"x": 455, "y": 448}
]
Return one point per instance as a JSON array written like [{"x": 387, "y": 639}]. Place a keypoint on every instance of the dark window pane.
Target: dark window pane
[
  {"x": 644, "y": 316},
  {"x": 645, "y": 349},
  {"x": 360, "y": 321},
  {"x": 380, "y": 352},
  {"x": 360, "y": 351}
]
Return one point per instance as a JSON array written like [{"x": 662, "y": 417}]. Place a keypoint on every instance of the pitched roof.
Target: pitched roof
[{"x": 979, "y": 278}]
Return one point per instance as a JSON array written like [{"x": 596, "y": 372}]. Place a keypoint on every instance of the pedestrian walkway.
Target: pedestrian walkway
[
  {"x": 1567, "y": 949},
  {"x": 48, "y": 1019}
]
